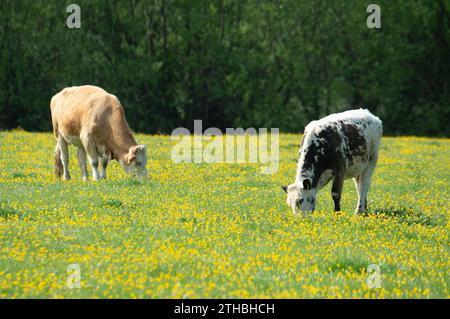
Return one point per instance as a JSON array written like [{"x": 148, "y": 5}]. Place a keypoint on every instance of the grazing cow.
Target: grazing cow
[
  {"x": 94, "y": 121},
  {"x": 336, "y": 147}
]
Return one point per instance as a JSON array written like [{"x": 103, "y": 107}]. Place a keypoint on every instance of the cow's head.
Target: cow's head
[
  {"x": 301, "y": 196},
  {"x": 135, "y": 161}
]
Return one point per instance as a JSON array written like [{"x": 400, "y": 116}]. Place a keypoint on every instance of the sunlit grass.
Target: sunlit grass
[{"x": 220, "y": 230}]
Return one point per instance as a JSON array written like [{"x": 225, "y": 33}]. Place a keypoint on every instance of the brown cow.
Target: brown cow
[{"x": 94, "y": 121}]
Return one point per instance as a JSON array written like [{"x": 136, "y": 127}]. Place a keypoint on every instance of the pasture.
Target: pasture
[{"x": 220, "y": 230}]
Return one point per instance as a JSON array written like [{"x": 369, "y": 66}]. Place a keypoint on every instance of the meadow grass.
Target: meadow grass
[{"x": 220, "y": 230}]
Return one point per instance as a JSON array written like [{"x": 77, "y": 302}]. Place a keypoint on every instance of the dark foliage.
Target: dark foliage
[{"x": 278, "y": 63}]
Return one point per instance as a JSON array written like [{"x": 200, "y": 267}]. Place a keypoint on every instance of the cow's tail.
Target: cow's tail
[{"x": 58, "y": 162}]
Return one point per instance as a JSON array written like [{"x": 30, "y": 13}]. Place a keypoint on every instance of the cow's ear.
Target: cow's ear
[
  {"x": 284, "y": 188},
  {"x": 306, "y": 184},
  {"x": 131, "y": 154},
  {"x": 129, "y": 158}
]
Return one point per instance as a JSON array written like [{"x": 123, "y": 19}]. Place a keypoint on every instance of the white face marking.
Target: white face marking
[
  {"x": 293, "y": 192},
  {"x": 300, "y": 199}
]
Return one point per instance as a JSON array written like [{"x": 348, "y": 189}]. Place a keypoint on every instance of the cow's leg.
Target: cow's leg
[
  {"x": 64, "y": 148},
  {"x": 81, "y": 156},
  {"x": 363, "y": 187},
  {"x": 363, "y": 183},
  {"x": 356, "y": 180},
  {"x": 92, "y": 154},
  {"x": 103, "y": 164},
  {"x": 336, "y": 191}
]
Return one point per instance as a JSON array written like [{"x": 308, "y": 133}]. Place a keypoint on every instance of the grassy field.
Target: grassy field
[{"x": 220, "y": 230}]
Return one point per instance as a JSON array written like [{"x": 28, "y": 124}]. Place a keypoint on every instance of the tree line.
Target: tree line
[{"x": 259, "y": 63}]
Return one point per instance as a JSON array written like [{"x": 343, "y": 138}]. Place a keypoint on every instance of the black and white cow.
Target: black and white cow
[{"x": 336, "y": 147}]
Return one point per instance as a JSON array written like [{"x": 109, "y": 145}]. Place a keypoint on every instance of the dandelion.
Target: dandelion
[{"x": 220, "y": 230}]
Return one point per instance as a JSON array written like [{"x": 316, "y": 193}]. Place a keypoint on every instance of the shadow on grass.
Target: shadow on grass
[
  {"x": 356, "y": 264},
  {"x": 7, "y": 211},
  {"x": 290, "y": 145},
  {"x": 16, "y": 175},
  {"x": 408, "y": 215},
  {"x": 113, "y": 203},
  {"x": 131, "y": 182}
]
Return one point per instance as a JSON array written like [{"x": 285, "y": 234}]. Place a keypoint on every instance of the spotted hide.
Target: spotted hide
[{"x": 337, "y": 147}]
